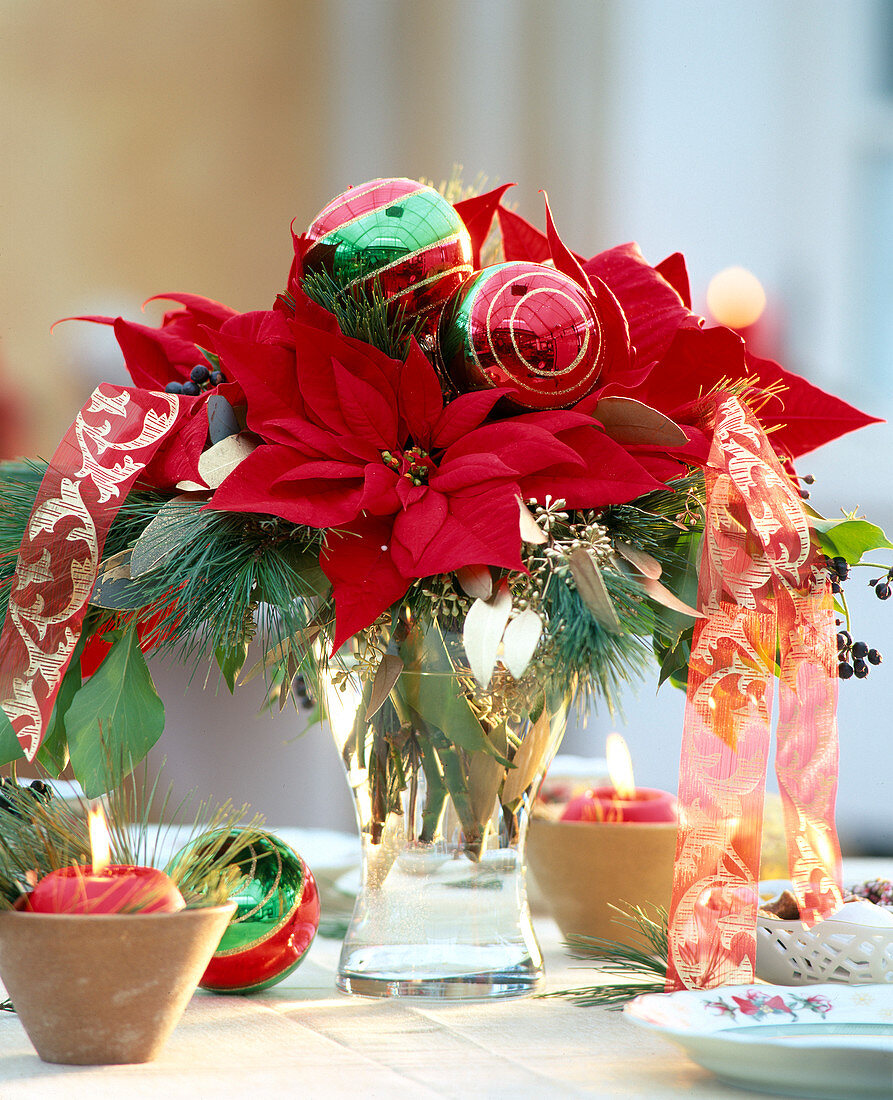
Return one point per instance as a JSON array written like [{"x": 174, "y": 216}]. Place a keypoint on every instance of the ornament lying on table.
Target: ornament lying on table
[{"x": 276, "y": 918}]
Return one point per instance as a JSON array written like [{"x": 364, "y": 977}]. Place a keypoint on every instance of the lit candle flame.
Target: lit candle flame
[
  {"x": 620, "y": 767},
  {"x": 736, "y": 297},
  {"x": 99, "y": 840}
]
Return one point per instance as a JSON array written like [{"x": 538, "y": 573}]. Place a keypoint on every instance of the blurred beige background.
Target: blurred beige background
[{"x": 166, "y": 146}]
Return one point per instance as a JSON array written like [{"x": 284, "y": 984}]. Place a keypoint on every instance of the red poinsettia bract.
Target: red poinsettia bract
[
  {"x": 363, "y": 446},
  {"x": 677, "y": 360},
  {"x": 156, "y": 356}
]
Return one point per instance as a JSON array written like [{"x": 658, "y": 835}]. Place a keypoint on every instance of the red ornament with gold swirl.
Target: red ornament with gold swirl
[{"x": 530, "y": 329}]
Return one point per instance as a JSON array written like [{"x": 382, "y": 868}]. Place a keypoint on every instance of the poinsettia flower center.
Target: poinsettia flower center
[{"x": 414, "y": 464}]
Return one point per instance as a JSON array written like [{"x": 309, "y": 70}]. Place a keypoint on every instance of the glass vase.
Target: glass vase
[{"x": 443, "y": 776}]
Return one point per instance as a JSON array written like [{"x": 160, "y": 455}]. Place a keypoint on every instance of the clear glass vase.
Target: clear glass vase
[{"x": 443, "y": 776}]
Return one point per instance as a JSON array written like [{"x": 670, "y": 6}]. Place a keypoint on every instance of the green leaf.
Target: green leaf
[
  {"x": 674, "y": 660},
  {"x": 849, "y": 538},
  {"x": 439, "y": 701},
  {"x": 116, "y": 716},
  {"x": 53, "y": 752},
  {"x": 10, "y": 749},
  {"x": 231, "y": 660}
]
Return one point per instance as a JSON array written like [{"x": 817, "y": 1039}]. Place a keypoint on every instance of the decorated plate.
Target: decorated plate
[{"x": 816, "y": 1041}]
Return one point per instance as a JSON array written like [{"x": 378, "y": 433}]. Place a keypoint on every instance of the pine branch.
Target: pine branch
[
  {"x": 364, "y": 314},
  {"x": 646, "y": 965},
  {"x": 223, "y": 566}
]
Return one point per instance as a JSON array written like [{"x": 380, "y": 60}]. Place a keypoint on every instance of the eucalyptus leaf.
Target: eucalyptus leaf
[
  {"x": 849, "y": 538},
  {"x": 230, "y": 660},
  {"x": 163, "y": 536},
  {"x": 297, "y": 643},
  {"x": 116, "y": 716},
  {"x": 222, "y": 420},
  {"x": 115, "y": 589},
  {"x": 530, "y": 530},
  {"x": 485, "y": 776},
  {"x": 522, "y": 636},
  {"x": 662, "y": 595},
  {"x": 534, "y": 752},
  {"x": 591, "y": 586},
  {"x": 482, "y": 633},
  {"x": 476, "y": 581},
  {"x": 437, "y": 702},
  {"x": 629, "y": 421},
  {"x": 644, "y": 562},
  {"x": 386, "y": 676},
  {"x": 218, "y": 461}
]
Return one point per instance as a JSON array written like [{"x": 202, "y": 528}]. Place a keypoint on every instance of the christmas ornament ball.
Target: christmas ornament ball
[
  {"x": 525, "y": 327},
  {"x": 398, "y": 236},
  {"x": 276, "y": 918}
]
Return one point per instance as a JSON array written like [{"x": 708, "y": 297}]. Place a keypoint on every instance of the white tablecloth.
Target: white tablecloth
[{"x": 303, "y": 1039}]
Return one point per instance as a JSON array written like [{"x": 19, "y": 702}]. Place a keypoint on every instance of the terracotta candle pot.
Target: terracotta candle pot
[
  {"x": 582, "y": 868},
  {"x": 105, "y": 989}
]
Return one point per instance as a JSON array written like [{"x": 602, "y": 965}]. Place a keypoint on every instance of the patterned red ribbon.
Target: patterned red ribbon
[
  {"x": 105, "y": 450},
  {"x": 766, "y": 598}
]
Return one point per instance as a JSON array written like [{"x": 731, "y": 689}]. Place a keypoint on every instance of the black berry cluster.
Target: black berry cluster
[
  {"x": 38, "y": 790},
  {"x": 854, "y": 657},
  {"x": 882, "y": 585},
  {"x": 301, "y": 693},
  {"x": 200, "y": 379},
  {"x": 839, "y": 570}
]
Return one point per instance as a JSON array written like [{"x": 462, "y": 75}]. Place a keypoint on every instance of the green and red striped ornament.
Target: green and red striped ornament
[
  {"x": 527, "y": 328},
  {"x": 397, "y": 236},
  {"x": 276, "y": 918}
]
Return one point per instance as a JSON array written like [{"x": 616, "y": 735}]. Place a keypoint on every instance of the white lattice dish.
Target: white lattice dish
[{"x": 853, "y": 947}]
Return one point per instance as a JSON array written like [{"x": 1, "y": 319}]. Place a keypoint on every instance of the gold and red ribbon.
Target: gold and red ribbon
[
  {"x": 769, "y": 615},
  {"x": 103, "y": 453}
]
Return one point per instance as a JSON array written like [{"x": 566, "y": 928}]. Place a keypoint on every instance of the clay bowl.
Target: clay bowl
[
  {"x": 582, "y": 868},
  {"x": 105, "y": 990}
]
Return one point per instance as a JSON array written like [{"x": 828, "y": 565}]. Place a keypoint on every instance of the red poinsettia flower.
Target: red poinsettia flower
[
  {"x": 677, "y": 360},
  {"x": 362, "y": 445},
  {"x": 156, "y": 356}
]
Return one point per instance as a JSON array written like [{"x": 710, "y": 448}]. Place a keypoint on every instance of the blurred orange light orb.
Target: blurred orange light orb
[{"x": 735, "y": 297}]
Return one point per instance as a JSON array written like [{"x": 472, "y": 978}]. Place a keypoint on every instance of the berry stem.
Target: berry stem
[{"x": 841, "y": 599}]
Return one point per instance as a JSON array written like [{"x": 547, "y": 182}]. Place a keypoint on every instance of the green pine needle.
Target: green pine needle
[
  {"x": 364, "y": 314},
  {"x": 646, "y": 965}
]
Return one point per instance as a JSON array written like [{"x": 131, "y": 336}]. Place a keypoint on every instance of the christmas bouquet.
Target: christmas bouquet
[{"x": 456, "y": 478}]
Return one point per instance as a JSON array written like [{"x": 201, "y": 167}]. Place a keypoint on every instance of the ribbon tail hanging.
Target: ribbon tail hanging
[
  {"x": 758, "y": 586},
  {"x": 113, "y": 438}
]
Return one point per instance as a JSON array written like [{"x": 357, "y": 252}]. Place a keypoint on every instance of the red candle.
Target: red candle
[
  {"x": 623, "y": 801},
  {"x": 113, "y": 889},
  {"x": 605, "y": 804},
  {"x": 103, "y": 887}
]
